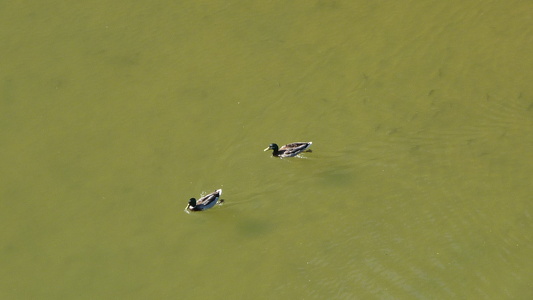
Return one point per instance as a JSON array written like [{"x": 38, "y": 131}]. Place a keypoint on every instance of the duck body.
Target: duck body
[
  {"x": 289, "y": 150},
  {"x": 205, "y": 202}
]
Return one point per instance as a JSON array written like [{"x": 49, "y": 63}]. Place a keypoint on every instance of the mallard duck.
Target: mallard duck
[
  {"x": 289, "y": 150},
  {"x": 205, "y": 202}
]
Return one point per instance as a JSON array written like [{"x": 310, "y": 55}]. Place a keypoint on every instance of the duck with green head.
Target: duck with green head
[
  {"x": 289, "y": 150},
  {"x": 205, "y": 202}
]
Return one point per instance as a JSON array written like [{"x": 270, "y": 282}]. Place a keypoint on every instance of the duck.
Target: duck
[
  {"x": 289, "y": 150},
  {"x": 205, "y": 202}
]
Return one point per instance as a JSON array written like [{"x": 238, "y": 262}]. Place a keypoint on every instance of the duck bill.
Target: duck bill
[{"x": 267, "y": 148}]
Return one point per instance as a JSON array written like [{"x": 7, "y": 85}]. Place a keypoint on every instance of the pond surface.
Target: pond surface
[{"x": 419, "y": 186}]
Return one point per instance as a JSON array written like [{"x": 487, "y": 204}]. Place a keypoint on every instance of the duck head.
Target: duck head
[{"x": 272, "y": 146}]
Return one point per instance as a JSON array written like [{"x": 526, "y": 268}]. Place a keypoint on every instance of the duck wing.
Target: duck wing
[
  {"x": 293, "y": 149},
  {"x": 209, "y": 199}
]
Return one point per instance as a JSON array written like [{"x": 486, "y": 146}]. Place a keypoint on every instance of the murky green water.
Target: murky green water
[{"x": 114, "y": 114}]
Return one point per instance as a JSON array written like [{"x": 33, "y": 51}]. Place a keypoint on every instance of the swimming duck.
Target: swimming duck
[
  {"x": 289, "y": 150},
  {"x": 205, "y": 202}
]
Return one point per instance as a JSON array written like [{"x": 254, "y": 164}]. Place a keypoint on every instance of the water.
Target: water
[{"x": 114, "y": 115}]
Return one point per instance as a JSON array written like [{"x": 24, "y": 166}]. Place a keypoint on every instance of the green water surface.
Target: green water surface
[{"x": 419, "y": 186}]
